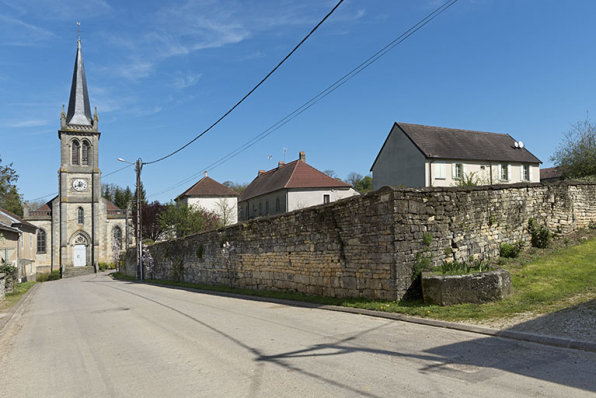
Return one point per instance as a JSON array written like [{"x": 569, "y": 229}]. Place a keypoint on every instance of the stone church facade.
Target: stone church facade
[{"x": 78, "y": 228}]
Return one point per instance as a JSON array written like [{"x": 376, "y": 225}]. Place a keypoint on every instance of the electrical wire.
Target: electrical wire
[
  {"x": 251, "y": 91},
  {"x": 338, "y": 83}
]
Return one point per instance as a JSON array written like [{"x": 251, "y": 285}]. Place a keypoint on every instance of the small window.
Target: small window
[
  {"x": 267, "y": 207},
  {"x": 75, "y": 152},
  {"x": 458, "y": 171},
  {"x": 526, "y": 172},
  {"x": 326, "y": 199},
  {"x": 81, "y": 216},
  {"x": 277, "y": 206},
  {"x": 504, "y": 173},
  {"x": 241, "y": 213},
  {"x": 41, "y": 241},
  {"x": 118, "y": 236},
  {"x": 85, "y": 153}
]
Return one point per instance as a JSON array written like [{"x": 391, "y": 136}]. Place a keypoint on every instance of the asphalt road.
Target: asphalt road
[{"x": 95, "y": 337}]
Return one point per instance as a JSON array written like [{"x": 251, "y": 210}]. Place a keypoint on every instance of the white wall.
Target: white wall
[
  {"x": 300, "y": 199},
  {"x": 482, "y": 170},
  {"x": 215, "y": 205}
]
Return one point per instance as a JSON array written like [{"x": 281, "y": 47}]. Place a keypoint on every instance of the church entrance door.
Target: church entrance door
[{"x": 80, "y": 255}]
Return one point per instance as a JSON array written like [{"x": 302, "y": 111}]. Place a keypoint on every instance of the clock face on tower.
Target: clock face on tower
[{"x": 79, "y": 185}]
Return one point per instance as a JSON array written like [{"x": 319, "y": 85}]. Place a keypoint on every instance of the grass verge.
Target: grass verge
[
  {"x": 12, "y": 298},
  {"x": 544, "y": 281}
]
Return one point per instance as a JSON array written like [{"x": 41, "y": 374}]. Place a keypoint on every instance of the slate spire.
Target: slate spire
[{"x": 79, "y": 110}]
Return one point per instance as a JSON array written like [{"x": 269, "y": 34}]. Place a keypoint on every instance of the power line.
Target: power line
[
  {"x": 56, "y": 193},
  {"x": 340, "y": 82},
  {"x": 251, "y": 91}
]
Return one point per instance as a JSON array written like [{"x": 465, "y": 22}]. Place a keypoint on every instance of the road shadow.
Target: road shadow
[{"x": 577, "y": 322}]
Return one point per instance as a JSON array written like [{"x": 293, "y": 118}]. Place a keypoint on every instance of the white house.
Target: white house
[
  {"x": 289, "y": 187},
  {"x": 424, "y": 156},
  {"x": 213, "y": 197},
  {"x": 18, "y": 244}
]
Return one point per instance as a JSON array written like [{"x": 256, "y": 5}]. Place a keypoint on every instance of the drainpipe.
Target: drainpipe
[
  {"x": 490, "y": 165},
  {"x": 430, "y": 172}
]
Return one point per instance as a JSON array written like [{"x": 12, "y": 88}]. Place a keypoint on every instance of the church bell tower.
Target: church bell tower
[{"x": 79, "y": 176}]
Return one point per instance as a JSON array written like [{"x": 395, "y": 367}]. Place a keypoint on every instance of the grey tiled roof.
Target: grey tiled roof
[
  {"x": 79, "y": 110},
  {"x": 447, "y": 143}
]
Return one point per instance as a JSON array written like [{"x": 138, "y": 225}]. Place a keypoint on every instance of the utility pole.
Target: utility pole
[{"x": 139, "y": 166}]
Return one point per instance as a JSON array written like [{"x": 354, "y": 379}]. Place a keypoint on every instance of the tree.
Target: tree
[
  {"x": 365, "y": 185},
  {"x": 353, "y": 179},
  {"x": 576, "y": 155},
  {"x": 237, "y": 187},
  {"x": 10, "y": 199},
  {"x": 330, "y": 173},
  {"x": 150, "y": 225},
  {"x": 185, "y": 220},
  {"x": 225, "y": 211}
]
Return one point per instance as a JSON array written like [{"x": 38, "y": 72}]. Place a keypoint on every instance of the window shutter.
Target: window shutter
[
  {"x": 530, "y": 168},
  {"x": 499, "y": 171},
  {"x": 508, "y": 172},
  {"x": 521, "y": 172},
  {"x": 463, "y": 170},
  {"x": 452, "y": 170}
]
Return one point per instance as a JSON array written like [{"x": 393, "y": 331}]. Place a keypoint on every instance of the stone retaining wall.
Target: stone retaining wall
[
  {"x": 2, "y": 287},
  {"x": 367, "y": 246}
]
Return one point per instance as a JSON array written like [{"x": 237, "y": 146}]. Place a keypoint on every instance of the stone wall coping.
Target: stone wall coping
[
  {"x": 432, "y": 275},
  {"x": 2, "y": 276}
]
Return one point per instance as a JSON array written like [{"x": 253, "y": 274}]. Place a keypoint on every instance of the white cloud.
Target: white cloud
[
  {"x": 28, "y": 35},
  {"x": 185, "y": 80},
  {"x": 28, "y": 123}
]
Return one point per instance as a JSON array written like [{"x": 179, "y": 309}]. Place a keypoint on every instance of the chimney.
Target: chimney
[
  {"x": 205, "y": 173},
  {"x": 261, "y": 172},
  {"x": 302, "y": 156},
  {"x": 281, "y": 163}
]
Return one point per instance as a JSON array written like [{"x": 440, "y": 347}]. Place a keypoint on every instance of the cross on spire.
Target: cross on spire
[{"x": 79, "y": 30}]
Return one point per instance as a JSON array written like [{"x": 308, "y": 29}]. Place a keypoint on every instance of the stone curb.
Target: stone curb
[
  {"x": 4, "y": 320},
  {"x": 507, "y": 334}
]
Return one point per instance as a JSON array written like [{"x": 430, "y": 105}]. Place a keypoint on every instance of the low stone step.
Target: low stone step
[{"x": 70, "y": 272}]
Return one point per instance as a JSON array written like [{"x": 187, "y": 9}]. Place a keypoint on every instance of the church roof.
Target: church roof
[
  {"x": 79, "y": 110},
  {"x": 297, "y": 174},
  {"x": 208, "y": 187}
]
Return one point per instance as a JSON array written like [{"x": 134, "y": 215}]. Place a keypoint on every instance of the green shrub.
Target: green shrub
[
  {"x": 103, "y": 266},
  {"x": 427, "y": 239},
  {"x": 461, "y": 267},
  {"x": 492, "y": 220},
  {"x": 541, "y": 235},
  {"x": 421, "y": 264},
  {"x": 54, "y": 275},
  {"x": 511, "y": 251},
  {"x": 448, "y": 251}
]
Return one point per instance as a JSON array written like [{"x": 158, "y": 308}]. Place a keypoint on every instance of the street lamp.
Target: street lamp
[{"x": 138, "y": 168}]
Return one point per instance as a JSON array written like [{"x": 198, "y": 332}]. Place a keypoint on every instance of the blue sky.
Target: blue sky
[{"x": 160, "y": 72}]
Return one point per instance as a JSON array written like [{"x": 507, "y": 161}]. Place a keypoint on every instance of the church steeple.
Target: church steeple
[{"x": 79, "y": 110}]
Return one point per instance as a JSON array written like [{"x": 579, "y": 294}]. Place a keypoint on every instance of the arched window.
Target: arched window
[
  {"x": 41, "y": 241},
  {"x": 75, "y": 152},
  {"x": 85, "y": 153},
  {"x": 117, "y": 233},
  {"x": 81, "y": 216}
]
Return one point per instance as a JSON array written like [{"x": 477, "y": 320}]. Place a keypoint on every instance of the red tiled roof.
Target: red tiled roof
[
  {"x": 551, "y": 172},
  {"x": 296, "y": 174},
  {"x": 111, "y": 206},
  {"x": 207, "y": 186}
]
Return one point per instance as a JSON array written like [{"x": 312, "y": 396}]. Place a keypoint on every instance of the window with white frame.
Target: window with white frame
[
  {"x": 504, "y": 172},
  {"x": 458, "y": 171},
  {"x": 326, "y": 199},
  {"x": 440, "y": 172},
  {"x": 525, "y": 172}
]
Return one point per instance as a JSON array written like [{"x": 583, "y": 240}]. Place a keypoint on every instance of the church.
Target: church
[{"x": 78, "y": 228}]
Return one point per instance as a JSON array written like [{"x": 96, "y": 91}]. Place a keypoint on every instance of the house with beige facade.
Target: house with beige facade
[
  {"x": 415, "y": 155},
  {"x": 290, "y": 187},
  {"x": 18, "y": 245},
  {"x": 214, "y": 197}
]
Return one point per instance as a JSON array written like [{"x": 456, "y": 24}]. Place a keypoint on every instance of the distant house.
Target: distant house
[
  {"x": 424, "y": 156},
  {"x": 551, "y": 174},
  {"x": 18, "y": 244},
  {"x": 214, "y": 197},
  {"x": 289, "y": 187}
]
